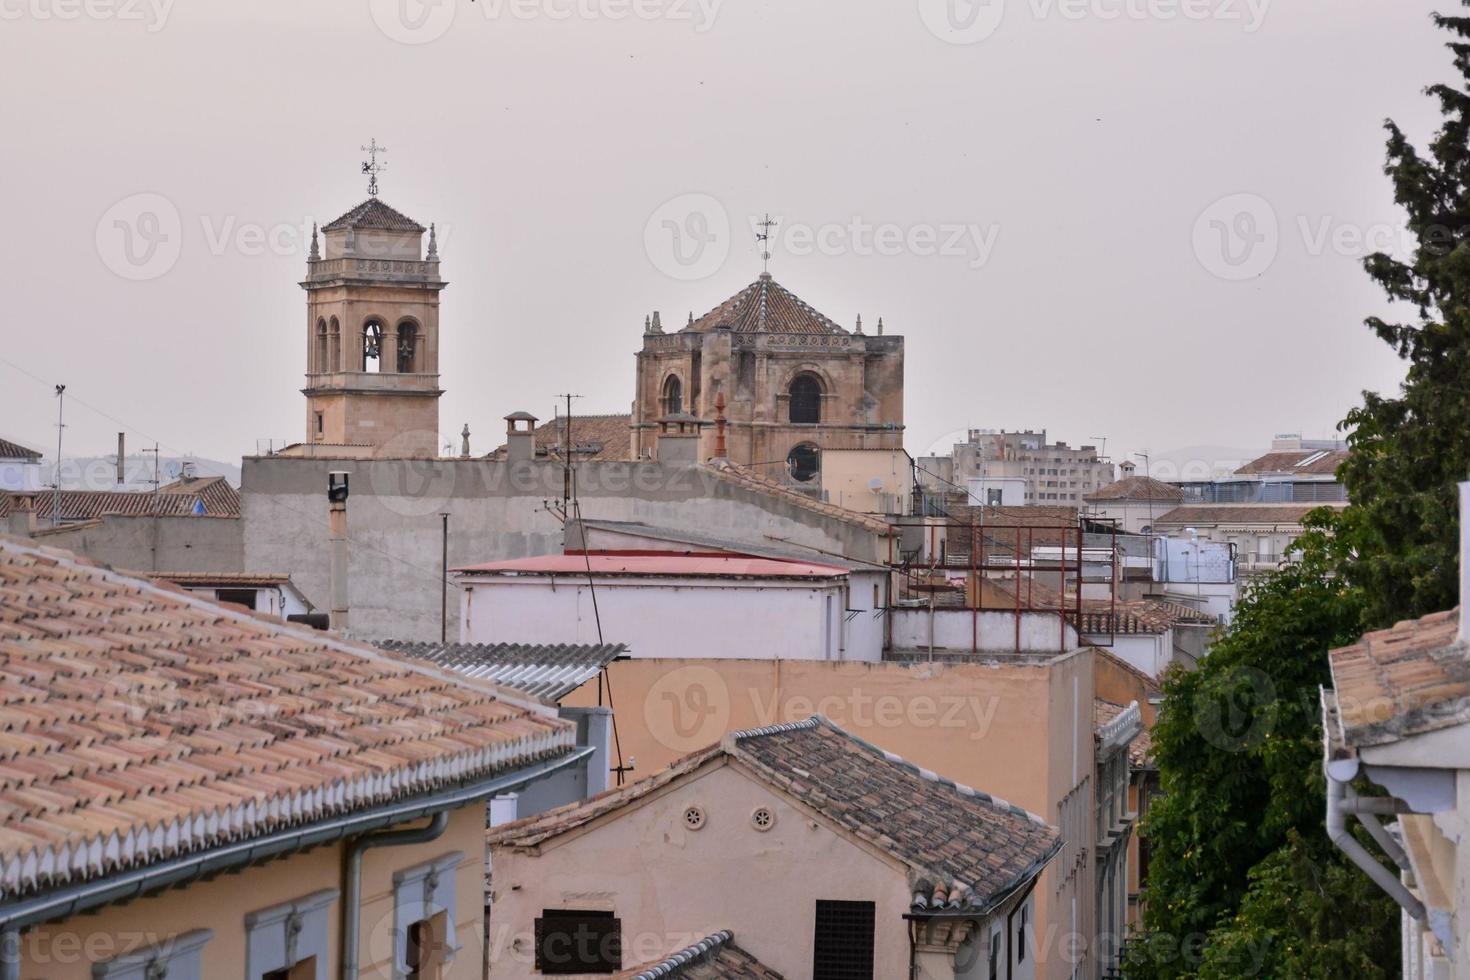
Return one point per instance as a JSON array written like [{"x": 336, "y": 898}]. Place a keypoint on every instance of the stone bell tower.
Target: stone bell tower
[{"x": 372, "y": 315}]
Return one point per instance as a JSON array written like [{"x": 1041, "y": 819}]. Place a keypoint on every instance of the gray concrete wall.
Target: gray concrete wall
[
  {"x": 498, "y": 510},
  {"x": 158, "y": 544}
]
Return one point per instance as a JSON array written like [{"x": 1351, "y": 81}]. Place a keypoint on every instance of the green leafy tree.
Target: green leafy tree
[
  {"x": 1239, "y": 754},
  {"x": 1409, "y": 451}
]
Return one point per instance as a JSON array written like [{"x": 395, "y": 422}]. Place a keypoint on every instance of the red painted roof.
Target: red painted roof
[{"x": 701, "y": 566}]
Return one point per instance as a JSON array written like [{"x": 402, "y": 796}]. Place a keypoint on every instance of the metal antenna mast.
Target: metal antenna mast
[
  {"x": 372, "y": 167},
  {"x": 60, "y": 430},
  {"x": 765, "y": 237}
]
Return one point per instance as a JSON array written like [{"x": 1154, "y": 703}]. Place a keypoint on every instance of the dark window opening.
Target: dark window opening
[
  {"x": 673, "y": 396},
  {"x": 1021, "y": 937},
  {"x": 425, "y": 950},
  {"x": 372, "y": 347},
  {"x": 804, "y": 461},
  {"x": 806, "y": 400},
  {"x": 570, "y": 941},
  {"x": 995, "y": 955},
  {"x": 320, "y": 423},
  {"x": 321, "y": 346},
  {"x": 240, "y": 597},
  {"x": 842, "y": 948},
  {"x": 304, "y": 970},
  {"x": 408, "y": 336}
]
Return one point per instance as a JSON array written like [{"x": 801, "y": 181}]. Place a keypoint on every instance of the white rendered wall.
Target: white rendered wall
[{"x": 668, "y": 617}]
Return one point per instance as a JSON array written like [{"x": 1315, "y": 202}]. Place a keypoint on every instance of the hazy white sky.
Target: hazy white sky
[{"x": 1045, "y": 173}]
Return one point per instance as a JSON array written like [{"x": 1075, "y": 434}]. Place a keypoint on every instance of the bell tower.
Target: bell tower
[{"x": 372, "y": 315}]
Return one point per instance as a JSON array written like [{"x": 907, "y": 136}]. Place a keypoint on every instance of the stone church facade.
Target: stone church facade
[
  {"x": 795, "y": 383},
  {"x": 372, "y": 321}
]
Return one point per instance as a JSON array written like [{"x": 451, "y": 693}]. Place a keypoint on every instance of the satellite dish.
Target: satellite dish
[{"x": 875, "y": 484}]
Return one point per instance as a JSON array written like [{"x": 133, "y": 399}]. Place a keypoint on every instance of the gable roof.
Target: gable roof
[
  {"x": 1271, "y": 514},
  {"x": 373, "y": 213},
  {"x": 964, "y": 849},
  {"x": 549, "y": 671},
  {"x": 1137, "y": 488},
  {"x": 140, "y": 723},
  {"x": 715, "y": 957},
  {"x": 1408, "y": 680},
  {"x": 14, "y": 450},
  {"x": 209, "y": 496},
  {"x": 765, "y": 306}
]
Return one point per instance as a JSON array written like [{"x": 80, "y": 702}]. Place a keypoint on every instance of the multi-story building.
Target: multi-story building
[{"x": 1052, "y": 473}]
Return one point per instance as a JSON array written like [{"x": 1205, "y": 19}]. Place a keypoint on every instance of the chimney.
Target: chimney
[
  {"x": 520, "y": 436},
  {"x": 22, "y": 521},
  {"x": 678, "y": 440},
  {"x": 337, "y": 534},
  {"x": 1127, "y": 467},
  {"x": 122, "y": 455},
  {"x": 1464, "y": 562},
  {"x": 720, "y": 451}
]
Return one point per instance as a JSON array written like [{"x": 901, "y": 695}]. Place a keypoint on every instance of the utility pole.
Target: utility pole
[
  {"x": 567, "y": 450},
  {"x": 444, "y": 582},
  {"x": 60, "y": 430}
]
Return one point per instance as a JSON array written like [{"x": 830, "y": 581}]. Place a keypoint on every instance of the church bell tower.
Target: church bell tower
[{"x": 372, "y": 304}]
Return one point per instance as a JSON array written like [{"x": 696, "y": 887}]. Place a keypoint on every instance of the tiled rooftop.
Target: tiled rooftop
[
  {"x": 550, "y": 671},
  {"x": 963, "y": 848},
  {"x": 1137, "y": 488},
  {"x": 210, "y": 496},
  {"x": 765, "y": 306},
  {"x": 14, "y": 450},
  {"x": 1305, "y": 462},
  {"x": 373, "y": 213},
  {"x": 139, "y": 723},
  {"x": 595, "y": 437},
  {"x": 743, "y": 476},
  {"x": 1408, "y": 680},
  {"x": 715, "y": 957},
  {"x": 1141, "y": 750},
  {"x": 1270, "y": 514}
]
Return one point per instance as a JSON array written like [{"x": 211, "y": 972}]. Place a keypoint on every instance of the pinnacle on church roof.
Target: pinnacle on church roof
[
  {"x": 765, "y": 306},
  {"x": 373, "y": 213}
]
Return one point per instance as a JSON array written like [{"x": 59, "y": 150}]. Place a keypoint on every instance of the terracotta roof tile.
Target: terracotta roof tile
[
  {"x": 129, "y": 706},
  {"x": 1407, "y": 680},
  {"x": 597, "y": 437},
  {"x": 210, "y": 496},
  {"x": 1141, "y": 750},
  {"x": 743, "y": 476},
  {"x": 1137, "y": 488},
  {"x": 373, "y": 213},
  {"x": 1307, "y": 462},
  {"x": 14, "y": 450},
  {"x": 715, "y": 957},
  {"x": 1272, "y": 514},
  {"x": 765, "y": 306},
  {"x": 963, "y": 848}
]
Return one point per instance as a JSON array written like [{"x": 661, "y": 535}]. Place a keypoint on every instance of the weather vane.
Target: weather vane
[
  {"x": 765, "y": 236},
  {"x": 372, "y": 167}
]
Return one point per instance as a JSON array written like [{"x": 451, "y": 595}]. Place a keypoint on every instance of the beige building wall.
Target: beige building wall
[
  {"x": 849, "y": 475},
  {"x": 1020, "y": 731},
  {"x": 670, "y": 886},
  {"x": 68, "y": 950}
]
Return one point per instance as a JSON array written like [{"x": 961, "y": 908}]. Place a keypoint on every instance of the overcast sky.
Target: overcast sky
[{"x": 1030, "y": 191}]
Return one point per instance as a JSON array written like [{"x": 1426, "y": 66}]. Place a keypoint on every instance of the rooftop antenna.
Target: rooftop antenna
[
  {"x": 60, "y": 430},
  {"x": 765, "y": 237},
  {"x": 372, "y": 167},
  {"x": 567, "y": 486}
]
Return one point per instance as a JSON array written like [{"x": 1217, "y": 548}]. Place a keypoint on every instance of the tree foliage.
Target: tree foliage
[{"x": 1409, "y": 451}]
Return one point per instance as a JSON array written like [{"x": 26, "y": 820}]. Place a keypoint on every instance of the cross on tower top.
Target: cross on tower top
[
  {"x": 372, "y": 167},
  {"x": 765, "y": 236}
]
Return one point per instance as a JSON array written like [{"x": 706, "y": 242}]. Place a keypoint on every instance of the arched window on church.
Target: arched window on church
[
  {"x": 408, "y": 340},
  {"x": 321, "y": 347},
  {"x": 372, "y": 346},
  {"x": 673, "y": 395},
  {"x": 806, "y": 400},
  {"x": 804, "y": 461},
  {"x": 334, "y": 343}
]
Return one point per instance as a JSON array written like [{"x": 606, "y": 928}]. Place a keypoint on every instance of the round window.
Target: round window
[
  {"x": 693, "y": 817},
  {"x": 763, "y": 818}
]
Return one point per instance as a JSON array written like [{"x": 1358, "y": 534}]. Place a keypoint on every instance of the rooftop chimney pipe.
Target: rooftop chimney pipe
[
  {"x": 122, "y": 453},
  {"x": 337, "y": 532}
]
